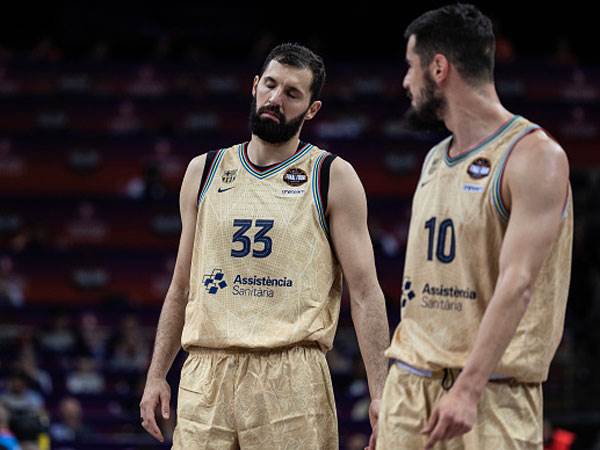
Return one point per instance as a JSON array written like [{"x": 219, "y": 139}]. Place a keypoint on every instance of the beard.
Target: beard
[
  {"x": 269, "y": 130},
  {"x": 426, "y": 116}
]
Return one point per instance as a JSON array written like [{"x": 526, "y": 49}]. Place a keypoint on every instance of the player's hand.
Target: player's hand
[
  {"x": 453, "y": 415},
  {"x": 373, "y": 417},
  {"x": 157, "y": 395}
]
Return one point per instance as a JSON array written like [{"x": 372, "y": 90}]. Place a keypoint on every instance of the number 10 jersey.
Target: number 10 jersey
[{"x": 457, "y": 227}]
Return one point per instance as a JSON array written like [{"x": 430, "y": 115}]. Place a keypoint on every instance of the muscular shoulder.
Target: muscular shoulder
[
  {"x": 537, "y": 166},
  {"x": 196, "y": 165},
  {"x": 538, "y": 151},
  {"x": 340, "y": 169},
  {"x": 191, "y": 180},
  {"x": 345, "y": 188}
]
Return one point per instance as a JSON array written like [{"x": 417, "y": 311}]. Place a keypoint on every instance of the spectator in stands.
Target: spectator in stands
[
  {"x": 85, "y": 379},
  {"x": 71, "y": 427},
  {"x": 126, "y": 120},
  {"x": 93, "y": 336},
  {"x": 86, "y": 227},
  {"x": 7, "y": 438},
  {"x": 166, "y": 161},
  {"x": 18, "y": 395},
  {"x": 146, "y": 83},
  {"x": 60, "y": 338},
  {"x": 11, "y": 285},
  {"x": 148, "y": 186},
  {"x": 162, "y": 165},
  {"x": 84, "y": 160},
  {"x": 130, "y": 353},
  {"x": 28, "y": 364},
  {"x": 30, "y": 238}
]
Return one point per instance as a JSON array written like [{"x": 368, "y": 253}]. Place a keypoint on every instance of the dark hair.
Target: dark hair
[
  {"x": 301, "y": 57},
  {"x": 463, "y": 34}
]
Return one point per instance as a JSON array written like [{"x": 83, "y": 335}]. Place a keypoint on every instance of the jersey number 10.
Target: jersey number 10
[{"x": 441, "y": 252}]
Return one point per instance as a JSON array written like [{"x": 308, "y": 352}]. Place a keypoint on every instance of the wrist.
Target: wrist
[
  {"x": 470, "y": 386},
  {"x": 154, "y": 375}
]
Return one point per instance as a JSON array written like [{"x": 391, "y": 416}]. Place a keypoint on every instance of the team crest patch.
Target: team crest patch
[
  {"x": 480, "y": 168},
  {"x": 229, "y": 176},
  {"x": 295, "y": 176}
]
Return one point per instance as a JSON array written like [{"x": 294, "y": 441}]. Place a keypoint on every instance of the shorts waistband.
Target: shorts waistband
[
  {"x": 258, "y": 350},
  {"x": 445, "y": 373}
]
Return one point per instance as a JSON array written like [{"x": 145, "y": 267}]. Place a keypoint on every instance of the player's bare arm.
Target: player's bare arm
[
  {"x": 347, "y": 210},
  {"x": 535, "y": 188},
  {"x": 157, "y": 392}
]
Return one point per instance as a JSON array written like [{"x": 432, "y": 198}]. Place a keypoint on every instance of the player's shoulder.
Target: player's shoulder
[
  {"x": 196, "y": 166},
  {"x": 538, "y": 151},
  {"x": 538, "y": 166},
  {"x": 345, "y": 186},
  {"x": 341, "y": 168}
]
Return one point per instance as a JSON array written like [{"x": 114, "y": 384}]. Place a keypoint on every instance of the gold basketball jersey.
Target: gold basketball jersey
[
  {"x": 452, "y": 264},
  {"x": 263, "y": 272}
]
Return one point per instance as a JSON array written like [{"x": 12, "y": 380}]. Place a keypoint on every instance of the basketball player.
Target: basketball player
[
  {"x": 268, "y": 227},
  {"x": 488, "y": 255}
]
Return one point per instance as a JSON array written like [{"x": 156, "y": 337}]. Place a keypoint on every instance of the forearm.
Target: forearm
[
  {"x": 168, "y": 334},
  {"x": 372, "y": 330},
  {"x": 500, "y": 321}
]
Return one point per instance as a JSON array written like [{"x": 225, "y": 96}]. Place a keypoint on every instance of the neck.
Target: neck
[
  {"x": 264, "y": 153},
  {"x": 472, "y": 114}
]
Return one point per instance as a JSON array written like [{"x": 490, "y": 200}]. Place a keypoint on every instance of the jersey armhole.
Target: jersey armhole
[
  {"x": 210, "y": 157},
  {"x": 324, "y": 186},
  {"x": 496, "y": 191}
]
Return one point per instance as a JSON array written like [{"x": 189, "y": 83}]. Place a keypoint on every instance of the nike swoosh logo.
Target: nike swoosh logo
[{"x": 223, "y": 190}]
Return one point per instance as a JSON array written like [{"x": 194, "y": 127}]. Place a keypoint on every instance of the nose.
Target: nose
[
  {"x": 405, "y": 82},
  {"x": 276, "y": 97}
]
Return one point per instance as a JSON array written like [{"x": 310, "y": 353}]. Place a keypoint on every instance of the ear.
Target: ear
[
  {"x": 254, "y": 84},
  {"x": 439, "y": 68},
  {"x": 313, "y": 110}
]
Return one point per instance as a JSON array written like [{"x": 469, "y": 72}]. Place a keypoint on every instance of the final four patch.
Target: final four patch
[
  {"x": 295, "y": 176},
  {"x": 480, "y": 168}
]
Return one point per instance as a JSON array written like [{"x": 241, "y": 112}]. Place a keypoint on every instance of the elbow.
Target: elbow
[
  {"x": 177, "y": 292},
  {"x": 520, "y": 283}
]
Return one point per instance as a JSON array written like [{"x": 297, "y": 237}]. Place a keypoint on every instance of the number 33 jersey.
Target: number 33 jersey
[
  {"x": 457, "y": 227},
  {"x": 263, "y": 272}
]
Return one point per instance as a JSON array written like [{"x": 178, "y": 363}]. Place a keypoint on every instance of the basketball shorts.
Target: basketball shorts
[
  {"x": 509, "y": 415},
  {"x": 235, "y": 399}
]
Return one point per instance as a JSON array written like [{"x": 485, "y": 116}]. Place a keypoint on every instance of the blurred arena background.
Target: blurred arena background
[{"x": 102, "y": 105}]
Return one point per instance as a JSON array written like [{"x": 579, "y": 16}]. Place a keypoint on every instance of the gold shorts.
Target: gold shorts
[
  {"x": 279, "y": 399},
  {"x": 509, "y": 415}
]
